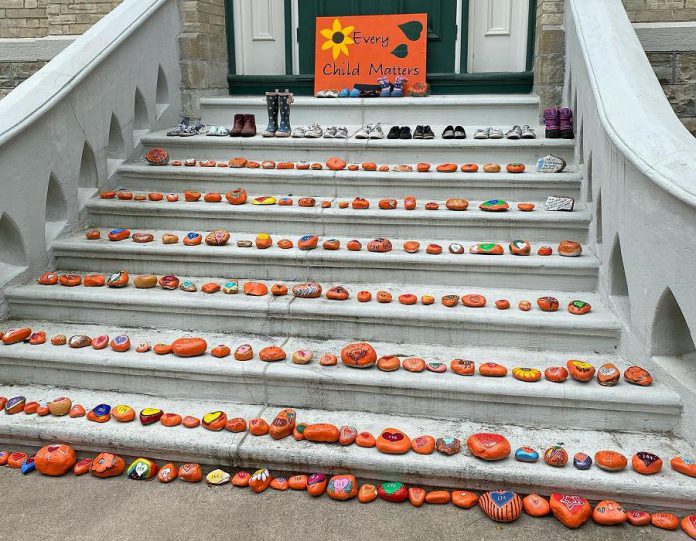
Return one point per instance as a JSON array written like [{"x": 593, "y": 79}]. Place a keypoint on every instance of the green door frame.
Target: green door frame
[{"x": 440, "y": 83}]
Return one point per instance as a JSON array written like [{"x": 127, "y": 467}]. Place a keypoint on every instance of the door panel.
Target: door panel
[{"x": 498, "y": 35}]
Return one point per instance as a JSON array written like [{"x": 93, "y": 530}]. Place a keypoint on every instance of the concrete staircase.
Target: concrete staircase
[{"x": 585, "y": 417}]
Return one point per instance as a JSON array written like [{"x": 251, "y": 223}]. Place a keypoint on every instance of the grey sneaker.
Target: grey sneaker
[
  {"x": 341, "y": 132},
  {"x": 527, "y": 132},
  {"x": 495, "y": 133},
  {"x": 299, "y": 131},
  {"x": 514, "y": 133},
  {"x": 480, "y": 133},
  {"x": 314, "y": 131},
  {"x": 364, "y": 132},
  {"x": 376, "y": 132},
  {"x": 330, "y": 132}
]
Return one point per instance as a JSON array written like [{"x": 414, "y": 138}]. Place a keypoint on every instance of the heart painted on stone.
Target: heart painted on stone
[
  {"x": 392, "y": 436},
  {"x": 341, "y": 483},
  {"x": 500, "y": 499},
  {"x": 53, "y": 448}
]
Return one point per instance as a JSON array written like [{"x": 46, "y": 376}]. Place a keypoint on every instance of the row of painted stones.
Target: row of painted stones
[
  {"x": 356, "y": 355},
  {"x": 498, "y": 505},
  {"x": 485, "y": 446},
  {"x": 308, "y": 290}
]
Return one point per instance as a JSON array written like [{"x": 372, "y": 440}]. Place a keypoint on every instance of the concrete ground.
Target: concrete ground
[{"x": 85, "y": 508}]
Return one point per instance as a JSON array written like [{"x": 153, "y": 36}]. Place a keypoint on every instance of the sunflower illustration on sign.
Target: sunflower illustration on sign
[{"x": 337, "y": 39}]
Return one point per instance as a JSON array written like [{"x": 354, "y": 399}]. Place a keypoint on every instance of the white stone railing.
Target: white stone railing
[
  {"x": 64, "y": 131},
  {"x": 640, "y": 180}
]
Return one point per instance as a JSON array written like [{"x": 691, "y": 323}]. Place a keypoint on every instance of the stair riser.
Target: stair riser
[
  {"x": 319, "y": 321},
  {"x": 311, "y": 266},
  {"x": 348, "y": 223},
  {"x": 329, "y": 112},
  {"x": 325, "y": 393},
  {"x": 201, "y": 148}
]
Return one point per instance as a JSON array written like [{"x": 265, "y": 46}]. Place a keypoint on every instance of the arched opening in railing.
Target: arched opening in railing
[
  {"x": 141, "y": 118},
  {"x": 598, "y": 218},
  {"x": 88, "y": 179},
  {"x": 671, "y": 334},
  {"x": 162, "y": 93},
  {"x": 56, "y": 209},
  {"x": 618, "y": 285},
  {"x": 588, "y": 178},
  {"x": 12, "y": 253},
  {"x": 116, "y": 150}
]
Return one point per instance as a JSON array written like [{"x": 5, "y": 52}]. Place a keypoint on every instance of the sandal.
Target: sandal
[
  {"x": 459, "y": 133},
  {"x": 448, "y": 132}
]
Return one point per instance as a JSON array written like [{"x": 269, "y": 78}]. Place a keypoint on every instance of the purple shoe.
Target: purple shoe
[
  {"x": 553, "y": 130},
  {"x": 384, "y": 87},
  {"x": 566, "y": 123}
]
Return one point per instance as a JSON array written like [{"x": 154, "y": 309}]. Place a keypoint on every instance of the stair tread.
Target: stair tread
[
  {"x": 435, "y": 100},
  {"x": 668, "y": 488}
]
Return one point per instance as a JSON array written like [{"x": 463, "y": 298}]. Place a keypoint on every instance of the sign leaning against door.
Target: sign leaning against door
[{"x": 360, "y": 49}]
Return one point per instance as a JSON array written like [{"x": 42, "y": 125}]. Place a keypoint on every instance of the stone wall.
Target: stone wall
[
  {"x": 676, "y": 72},
  {"x": 549, "y": 68},
  {"x": 14, "y": 73}
]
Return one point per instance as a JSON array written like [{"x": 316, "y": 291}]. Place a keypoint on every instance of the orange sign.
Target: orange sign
[{"x": 360, "y": 49}]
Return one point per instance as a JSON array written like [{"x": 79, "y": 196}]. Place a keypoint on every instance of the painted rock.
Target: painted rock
[
  {"x": 54, "y": 460},
  {"x": 526, "y": 454},
  {"x": 298, "y": 433},
  {"x": 260, "y": 480},
  {"x": 119, "y": 343},
  {"x": 15, "y": 405},
  {"x": 123, "y": 413},
  {"x": 167, "y": 473},
  {"x": 142, "y": 469},
  {"x": 448, "y": 446},
  {"x": 494, "y": 205},
  {"x": 221, "y": 351},
  {"x": 60, "y": 406},
  {"x": 82, "y": 466},
  {"x": 236, "y": 424},
  {"x": 255, "y": 289},
  {"x": 244, "y": 353},
  {"x": 557, "y": 203},
  {"x": 571, "y": 511},
  {"x": 414, "y": 364},
  {"x": 219, "y": 237},
  {"x": 342, "y": 487},
  {"x": 608, "y": 513},
  {"x": 28, "y": 465},
  {"x": 283, "y": 424},
  {"x": 582, "y": 461},
  {"x": 302, "y": 356},
  {"x": 169, "y": 238},
  {"x": 380, "y": 245},
  {"x": 359, "y": 355},
  {"x": 526, "y": 374},
  {"x": 456, "y": 248},
  {"x": 450, "y": 300},
  {"x": 686, "y": 466},
  {"x": 464, "y": 499},
  {"x": 536, "y": 506},
  {"x": 393, "y": 441},
  {"x": 423, "y": 445},
  {"x": 48, "y": 279},
  {"x": 145, "y": 281},
  {"x": 280, "y": 483},
  {"x": 308, "y": 242},
  {"x": 638, "y": 376},
  {"x": 580, "y": 370},
  {"x": 525, "y": 306},
  {"x": 77, "y": 411},
  {"x": 217, "y": 477},
  {"x": 556, "y": 456},
  {"x": 157, "y": 156},
  {"x": 169, "y": 282},
  {"x": 328, "y": 359},
  {"x": 298, "y": 482},
  {"x": 488, "y": 446},
  {"x": 367, "y": 493},
  {"x": 646, "y": 463},
  {"x": 550, "y": 164},
  {"x": 474, "y": 301},
  {"x": 688, "y": 524},
  {"x": 637, "y": 518},
  {"x": 189, "y": 347},
  {"x": 316, "y": 484},
  {"x": 322, "y": 433},
  {"x": 365, "y": 439},
  {"x": 492, "y": 370},
  {"x": 79, "y": 341},
  {"x": 241, "y": 479},
  {"x": 150, "y": 416},
  {"x": 416, "y": 496},
  {"x": 118, "y": 279},
  {"x": 171, "y": 420},
  {"x": 463, "y": 367},
  {"x": 569, "y": 248},
  {"x": 664, "y": 521},
  {"x": 15, "y": 460},
  {"x": 264, "y": 200},
  {"x": 437, "y": 368},
  {"x": 557, "y": 374},
  {"x": 4, "y": 457},
  {"x": 258, "y": 426},
  {"x": 142, "y": 238},
  {"x": 610, "y": 460},
  {"x": 393, "y": 492},
  {"x": 191, "y": 422},
  {"x": 30, "y": 408},
  {"x": 608, "y": 375},
  {"x": 191, "y": 473},
  {"x": 59, "y": 340},
  {"x": 501, "y": 505},
  {"x": 548, "y": 304},
  {"x": 272, "y": 354},
  {"x": 231, "y": 287},
  {"x": 438, "y": 497},
  {"x": 520, "y": 247},
  {"x": 214, "y": 421},
  {"x": 210, "y": 288},
  {"x": 310, "y": 290},
  {"x": 116, "y": 235},
  {"x": 13, "y": 336},
  {"x": 100, "y": 413},
  {"x": 388, "y": 363},
  {"x": 107, "y": 465},
  {"x": 347, "y": 435},
  {"x": 457, "y": 204}
]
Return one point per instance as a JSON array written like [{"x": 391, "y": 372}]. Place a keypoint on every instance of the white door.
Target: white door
[
  {"x": 498, "y": 35},
  {"x": 259, "y": 37}
]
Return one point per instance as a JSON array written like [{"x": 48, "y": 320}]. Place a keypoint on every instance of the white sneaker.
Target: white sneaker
[
  {"x": 341, "y": 132},
  {"x": 299, "y": 131},
  {"x": 330, "y": 132},
  {"x": 527, "y": 132},
  {"x": 481, "y": 134},
  {"x": 364, "y": 132},
  {"x": 377, "y": 132},
  {"x": 314, "y": 131},
  {"x": 495, "y": 133}
]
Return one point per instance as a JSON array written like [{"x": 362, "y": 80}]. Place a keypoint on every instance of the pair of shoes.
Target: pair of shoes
[
  {"x": 278, "y": 105},
  {"x": 310, "y": 132},
  {"x": 524, "y": 132},
  {"x": 388, "y": 90},
  {"x": 336, "y": 132},
  {"x": 423, "y": 132},
  {"x": 216, "y": 131},
  {"x": 396, "y": 132},
  {"x": 370, "y": 131},
  {"x": 456, "y": 132},
  {"x": 181, "y": 127},
  {"x": 327, "y": 94},
  {"x": 559, "y": 123},
  {"x": 244, "y": 126},
  {"x": 488, "y": 133}
]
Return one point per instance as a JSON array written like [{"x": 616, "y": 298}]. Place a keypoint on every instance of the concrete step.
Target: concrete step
[
  {"x": 509, "y": 271},
  {"x": 668, "y": 489},
  {"x": 327, "y": 183},
  {"x": 381, "y": 151},
  {"x": 322, "y": 318},
  {"x": 482, "y": 110},
  {"x": 537, "y": 226},
  {"x": 438, "y": 396}
]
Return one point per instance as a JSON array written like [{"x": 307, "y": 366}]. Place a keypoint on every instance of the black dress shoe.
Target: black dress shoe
[
  {"x": 405, "y": 133},
  {"x": 448, "y": 132},
  {"x": 393, "y": 133},
  {"x": 428, "y": 133},
  {"x": 459, "y": 133},
  {"x": 418, "y": 133}
]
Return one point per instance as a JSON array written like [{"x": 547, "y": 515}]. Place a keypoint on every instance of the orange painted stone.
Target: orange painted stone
[
  {"x": 367, "y": 493},
  {"x": 298, "y": 482},
  {"x": 48, "y": 279},
  {"x": 608, "y": 375},
  {"x": 557, "y": 374},
  {"x": 688, "y": 524},
  {"x": 556, "y": 456},
  {"x": 171, "y": 420},
  {"x": 354, "y": 245},
  {"x": 120, "y": 343},
  {"x": 664, "y": 521},
  {"x": 525, "y": 306},
  {"x": 685, "y": 466},
  {"x": 342, "y": 487},
  {"x": 569, "y": 248},
  {"x": 31, "y": 408},
  {"x": 221, "y": 351},
  {"x": 15, "y": 460},
  {"x": 446, "y": 168},
  {"x": 464, "y": 499},
  {"x": 610, "y": 460},
  {"x": 241, "y": 479},
  {"x": 280, "y": 483},
  {"x": 162, "y": 349},
  {"x": 189, "y": 347},
  {"x": 316, "y": 484},
  {"x": 414, "y": 364},
  {"x": 463, "y": 367},
  {"x": 427, "y": 300},
  {"x": 388, "y": 363},
  {"x": 411, "y": 246},
  {"x": 55, "y": 460},
  {"x": 191, "y": 422},
  {"x": 212, "y": 197},
  {"x": 580, "y": 370},
  {"x": 272, "y": 354},
  {"x": 255, "y": 289},
  {"x": 438, "y": 497},
  {"x": 494, "y": 370},
  {"x": 322, "y": 433},
  {"x": 82, "y": 466},
  {"x": 502, "y": 304},
  {"x": 578, "y": 307},
  {"x": 279, "y": 290},
  {"x": 526, "y": 374},
  {"x": 167, "y": 473},
  {"x": 260, "y": 480},
  {"x": 474, "y": 301},
  {"x": 608, "y": 513},
  {"x": 525, "y": 207},
  {"x": 491, "y": 168},
  {"x": 488, "y": 446},
  {"x": 59, "y": 340},
  {"x": 328, "y": 359},
  {"x": 548, "y": 304},
  {"x": 433, "y": 249},
  {"x": 77, "y": 411},
  {"x": 432, "y": 205},
  {"x": 13, "y": 336},
  {"x": 638, "y": 376},
  {"x": 192, "y": 196},
  {"x": 545, "y": 251},
  {"x": 169, "y": 281},
  {"x": 469, "y": 167},
  {"x": 214, "y": 421},
  {"x": 571, "y": 511},
  {"x": 416, "y": 496},
  {"x": 384, "y": 297},
  {"x": 336, "y": 164},
  {"x": 393, "y": 441},
  {"x": 365, "y": 439},
  {"x": 423, "y": 445},
  {"x": 283, "y": 424},
  {"x": 337, "y": 293},
  {"x": 535, "y": 505},
  {"x": 450, "y": 300},
  {"x": 448, "y": 446},
  {"x": 359, "y": 355},
  {"x": 298, "y": 433},
  {"x": 123, "y": 413},
  {"x": 100, "y": 413},
  {"x": 236, "y": 197},
  {"x": 457, "y": 204},
  {"x": 258, "y": 427},
  {"x": 42, "y": 411},
  {"x": 237, "y": 424},
  {"x": 244, "y": 353},
  {"x": 191, "y": 473},
  {"x": 347, "y": 435},
  {"x": 107, "y": 465},
  {"x": 637, "y": 518},
  {"x": 501, "y": 505},
  {"x": 408, "y": 299},
  {"x": 646, "y": 463}
]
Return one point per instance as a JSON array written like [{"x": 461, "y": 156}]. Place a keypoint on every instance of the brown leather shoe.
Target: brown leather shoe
[
  {"x": 249, "y": 129},
  {"x": 238, "y": 126}
]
